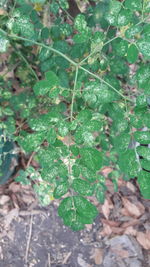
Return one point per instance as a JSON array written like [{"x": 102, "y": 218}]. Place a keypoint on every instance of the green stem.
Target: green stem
[
  {"x": 39, "y": 44},
  {"x": 25, "y": 60},
  {"x": 108, "y": 84},
  {"x": 77, "y": 65},
  {"x": 73, "y": 95},
  {"x": 95, "y": 50}
]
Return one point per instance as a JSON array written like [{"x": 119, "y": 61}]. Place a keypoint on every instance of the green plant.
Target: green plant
[{"x": 86, "y": 98}]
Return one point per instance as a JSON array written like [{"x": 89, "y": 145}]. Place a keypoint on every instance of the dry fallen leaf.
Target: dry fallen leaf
[
  {"x": 109, "y": 222},
  {"x": 130, "y": 223},
  {"x": 119, "y": 251},
  {"x": 4, "y": 199},
  {"x": 130, "y": 231},
  {"x": 110, "y": 186},
  {"x": 107, "y": 230},
  {"x": 131, "y": 187},
  {"x": 144, "y": 239},
  {"x": 10, "y": 216},
  {"x": 117, "y": 230},
  {"x": 106, "y": 207},
  {"x": 97, "y": 255},
  {"x": 15, "y": 187},
  {"x": 135, "y": 210},
  {"x": 106, "y": 170}
]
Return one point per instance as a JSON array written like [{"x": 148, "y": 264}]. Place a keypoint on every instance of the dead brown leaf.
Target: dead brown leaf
[
  {"x": 97, "y": 255},
  {"x": 135, "y": 210},
  {"x": 117, "y": 230},
  {"x": 109, "y": 222},
  {"x": 131, "y": 187},
  {"x": 107, "y": 230},
  {"x": 10, "y": 216},
  {"x": 119, "y": 251},
  {"x": 130, "y": 231},
  {"x": 125, "y": 212},
  {"x": 4, "y": 199},
  {"x": 110, "y": 186},
  {"x": 106, "y": 207},
  {"x": 106, "y": 170},
  {"x": 15, "y": 187},
  {"x": 144, "y": 239},
  {"x": 130, "y": 223}
]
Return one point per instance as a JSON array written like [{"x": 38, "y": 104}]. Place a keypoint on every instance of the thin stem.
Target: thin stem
[
  {"x": 108, "y": 84},
  {"x": 40, "y": 44},
  {"x": 27, "y": 63},
  {"x": 95, "y": 50},
  {"x": 73, "y": 95},
  {"x": 77, "y": 65}
]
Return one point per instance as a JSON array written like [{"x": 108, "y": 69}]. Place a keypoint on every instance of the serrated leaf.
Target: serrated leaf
[
  {"x": 142, "y": 137},
  {"x": 82, "y": 187},
  {"x": 143, "y": 152},
  {"x": 144, "y": 183},
  {"x": 132, "y": 54},
  {"x": 61, "y": 190},
  {"x": 134, "y": 5},
  {"x": 91, "y": 158}
]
